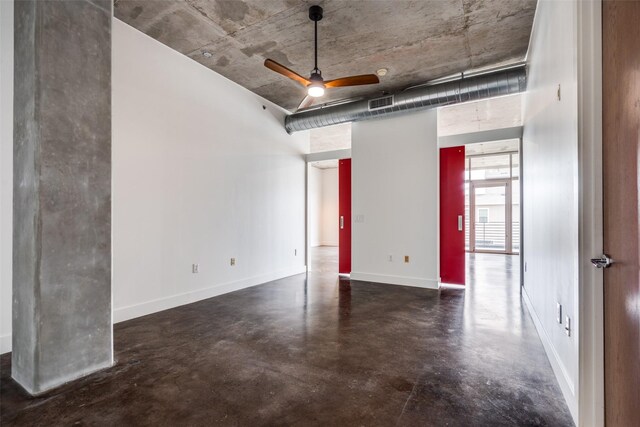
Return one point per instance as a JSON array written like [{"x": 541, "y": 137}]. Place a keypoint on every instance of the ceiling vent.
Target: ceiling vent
[{"x": 376, "y": 104}]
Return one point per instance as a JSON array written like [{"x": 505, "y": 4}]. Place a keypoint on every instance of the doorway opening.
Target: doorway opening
[
  {"x": 492, "y": 206},
  {"x": 329, "y": 200},
  {"x": 329, "y": 216},
  {"x": 323, "y": 216},
  {"x": 492, "y": 197}
]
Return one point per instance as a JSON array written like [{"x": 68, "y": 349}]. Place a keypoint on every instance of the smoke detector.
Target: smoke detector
[
  {"x": 382, "y": 72},
  {"x": 207, "y": 54}
]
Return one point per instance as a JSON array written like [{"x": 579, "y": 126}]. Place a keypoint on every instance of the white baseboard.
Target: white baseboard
[
  {"x": 417, "y": 282},
  {"x": 165, "y": 303},
  {"x": 148, "y": 307},
  {"x": 5, "y": 343},
  {"x": 566, "y": 385}
]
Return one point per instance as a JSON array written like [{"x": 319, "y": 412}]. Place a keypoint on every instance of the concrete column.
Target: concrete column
[{"x": 62, "y": 191}]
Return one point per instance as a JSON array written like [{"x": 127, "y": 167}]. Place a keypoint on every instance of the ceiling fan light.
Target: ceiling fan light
[{"x": 315, "y": 90}]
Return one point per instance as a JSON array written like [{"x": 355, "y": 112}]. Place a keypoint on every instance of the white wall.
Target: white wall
[
  {"x": 395, "y": 200},
  {"x": 314, "y": 200},
  {"x": 201, "y": 174},
  {"x": 329, "y": 229},
  {"x": 550, "y": 179},
  {"x": 323, "y": 206},
  {"x": 6, "y": 171}
]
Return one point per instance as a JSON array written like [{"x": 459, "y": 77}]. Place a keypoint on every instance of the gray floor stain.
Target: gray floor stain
[{"x": 320, "y": 350}]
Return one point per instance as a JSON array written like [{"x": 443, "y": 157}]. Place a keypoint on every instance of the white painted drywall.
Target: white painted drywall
[
  {"x": 323, "y": 206},
  {"x": 550, "y": 179},
  {"x": 314, "y": 198},
  {"x": 201, "y": 173},
  {"x": 329, "y": 230},
  {"x": 395, "y": 200},
  {"x": 6, "y": 171}
]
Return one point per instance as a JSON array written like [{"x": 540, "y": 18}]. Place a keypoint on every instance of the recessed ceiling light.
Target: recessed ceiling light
[
  {"x": 382, "y": 72},
  {"x": 207, "y": 54}
]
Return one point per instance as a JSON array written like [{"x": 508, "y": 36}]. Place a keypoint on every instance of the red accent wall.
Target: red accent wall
[
  {"x": 344, "y": 211},
  {"x": 452, "y": 253}
]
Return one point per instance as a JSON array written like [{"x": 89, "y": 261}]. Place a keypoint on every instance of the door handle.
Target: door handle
[
  {"x": 341, "y": 222},
  {"x": 459, "y": 222},
  {"x": 603, "y": 262}
]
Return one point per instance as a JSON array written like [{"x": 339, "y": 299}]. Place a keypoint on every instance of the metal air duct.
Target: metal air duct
[{"x": 465, "y": 88}]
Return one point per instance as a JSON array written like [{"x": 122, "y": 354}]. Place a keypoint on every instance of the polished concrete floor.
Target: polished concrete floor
[{"x": 316, "y": 351}]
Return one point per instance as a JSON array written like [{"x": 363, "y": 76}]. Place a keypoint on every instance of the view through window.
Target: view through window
[{"x": 492, "y": 197}]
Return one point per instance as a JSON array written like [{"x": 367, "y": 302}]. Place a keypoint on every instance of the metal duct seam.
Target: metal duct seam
[{"x": 474, "y": 88}]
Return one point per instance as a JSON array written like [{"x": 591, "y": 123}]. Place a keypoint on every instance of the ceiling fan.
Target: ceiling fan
[{"x": 315, "y": 84}]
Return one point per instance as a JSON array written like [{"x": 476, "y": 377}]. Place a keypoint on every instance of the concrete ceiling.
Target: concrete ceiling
[
  {"x": 415, "y": 40},
  {"x": 507, "y": 145},
  {"x": 330, "y": 138},
  {"x": 325, "y": 164},
  {"x": 485, "y": 114}
]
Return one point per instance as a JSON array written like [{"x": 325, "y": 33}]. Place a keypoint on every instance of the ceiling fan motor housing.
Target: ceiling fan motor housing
[
  {"x": 316, "y": 76},
  {"x": 315, "y": 13}
]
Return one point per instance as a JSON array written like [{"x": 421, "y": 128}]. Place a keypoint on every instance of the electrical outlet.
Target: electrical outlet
[
  {"x": 406, "y": 258},
  {"x": 195, "y": 268},
  {"x": 567, "y": 326},
  {"x": 559, "y": 312},
  {"x": 233, "y": 261},
  {"x": 390, "y": 258}
]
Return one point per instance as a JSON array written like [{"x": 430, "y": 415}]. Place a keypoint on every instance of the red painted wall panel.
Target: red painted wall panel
[
  {"x": 344, "y": 216},
  {"x": 452, "y": 254}
]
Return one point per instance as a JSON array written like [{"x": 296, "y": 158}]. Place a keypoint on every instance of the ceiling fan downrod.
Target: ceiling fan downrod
[{"x": 315, "y": 14}]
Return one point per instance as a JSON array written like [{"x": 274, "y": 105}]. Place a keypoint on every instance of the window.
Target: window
[
  {"x": 483, "y": 215},
  {"x": 492, "y": 197},
  {"x": 489, "y": 166}
]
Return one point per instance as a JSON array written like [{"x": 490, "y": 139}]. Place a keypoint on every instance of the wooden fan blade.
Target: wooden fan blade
[
  {"x": 306, "y": 102},
  {"x": 281, "y": 69},
  {"x": 365, "y": 79}
]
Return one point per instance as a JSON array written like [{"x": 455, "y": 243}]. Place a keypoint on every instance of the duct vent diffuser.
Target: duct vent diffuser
[{"x": 375, "y": 104}]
